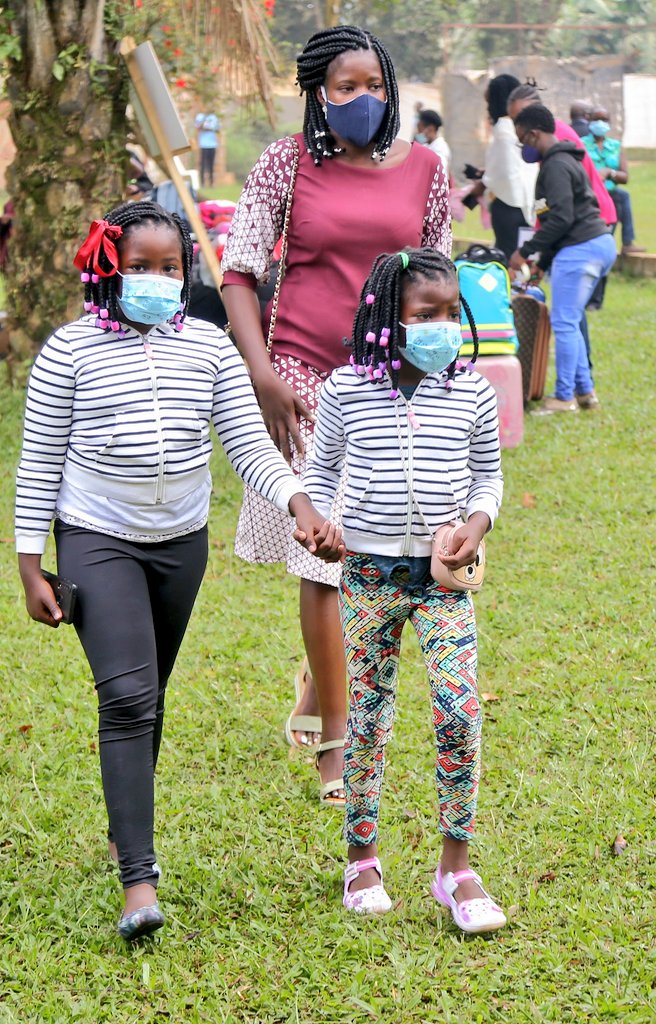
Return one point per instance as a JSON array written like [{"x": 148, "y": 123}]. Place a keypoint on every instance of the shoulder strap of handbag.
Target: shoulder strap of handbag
[{"x": 283, "y": 247}]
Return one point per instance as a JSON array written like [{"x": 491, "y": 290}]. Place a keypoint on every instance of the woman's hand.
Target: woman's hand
[
  {"x": 281, "y": 408},
  {"x": 465, "y": 541},
  {"x": 39, "y": 596},
  {"x": 317, "y": 535}
]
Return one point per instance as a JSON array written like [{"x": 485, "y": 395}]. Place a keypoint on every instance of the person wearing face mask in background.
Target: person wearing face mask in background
[
  {"x": 430, "y": 123},
  {"x": 610, "y": 162},
  {"x": 573, "y": 242},
  {"x": 509, "y": 181},
  {"x": 360, "y": 190},
  {"x": 580, "y": 113},
  {"x": 528, "y": 94}
]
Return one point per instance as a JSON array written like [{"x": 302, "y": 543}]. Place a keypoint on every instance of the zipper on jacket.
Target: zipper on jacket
[
  {"x": 407, "y": 540},
  {"x": 150, "y": 363}
]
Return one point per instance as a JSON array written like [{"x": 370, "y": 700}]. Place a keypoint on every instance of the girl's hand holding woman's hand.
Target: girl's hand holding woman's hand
[
  {"x": 281, "y": 408},
  {"x": 317, "y": 535},
  {"x": 465, "y": 541},
  {"x": 39, "y": 596}
]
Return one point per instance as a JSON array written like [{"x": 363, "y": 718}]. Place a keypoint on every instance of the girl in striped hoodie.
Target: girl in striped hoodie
[
  {"x": 116, "y": 449},
  {"x": 419, "y": 436}
]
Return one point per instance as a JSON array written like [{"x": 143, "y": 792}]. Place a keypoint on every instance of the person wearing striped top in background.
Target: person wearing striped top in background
[
  {"x": 418, "y": 434},
  {"x": 116, "y": 449}
]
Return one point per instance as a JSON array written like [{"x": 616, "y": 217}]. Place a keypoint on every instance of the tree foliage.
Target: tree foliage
[
  {"x": 67, "y": 88},
  {"x": 416, "y": 37}
]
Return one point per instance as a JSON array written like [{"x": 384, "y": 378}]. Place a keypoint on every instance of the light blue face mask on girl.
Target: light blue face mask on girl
[
  {"x": 433, "y": 346},
  {"x": 149, "y": 298}
]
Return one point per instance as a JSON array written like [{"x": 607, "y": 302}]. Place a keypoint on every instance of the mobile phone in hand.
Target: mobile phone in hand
[{"x": 65, "y": 594}]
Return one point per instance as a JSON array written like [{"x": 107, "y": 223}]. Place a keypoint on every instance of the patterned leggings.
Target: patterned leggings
[{"x": 374, "y": 611}]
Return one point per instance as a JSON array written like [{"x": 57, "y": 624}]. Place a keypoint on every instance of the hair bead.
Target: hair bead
[
  {"x": 396, "y": 364},
  {"x": 370, "y": 299},
  {"x": 84, "y": 277},
  {"x": 370, "y": 337}
]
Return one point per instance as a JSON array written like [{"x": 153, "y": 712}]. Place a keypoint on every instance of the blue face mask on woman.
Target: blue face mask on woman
[
  {"x": 358, "y": 120},
  {"x": 432, "y": 347},
  {"x": 149, "y": 298},
  {"x": 599, "y": 128}
]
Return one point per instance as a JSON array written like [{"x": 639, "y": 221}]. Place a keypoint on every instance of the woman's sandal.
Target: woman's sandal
[
  {"x": 326, "y": 788},
  {"x": 141, "y": 922},
  {"x": 373, "y": 899},
  {"x": 301, "y": 723},
  {"x": 472, "y": 916}
]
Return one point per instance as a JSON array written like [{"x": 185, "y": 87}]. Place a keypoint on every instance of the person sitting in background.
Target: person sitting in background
[
  {"x": 580, "y": 113},
  {"x": 610, "y": 162},
  {"x": 429, "y": 125}
]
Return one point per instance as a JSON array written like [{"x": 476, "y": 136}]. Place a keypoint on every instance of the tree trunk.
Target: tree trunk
[{"x": 68, "y": 97}]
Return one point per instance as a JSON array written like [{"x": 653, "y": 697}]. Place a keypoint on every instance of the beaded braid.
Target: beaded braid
[
  {"x": 312, "y": 67},
  {"x": 100, "y": 293},
  {"x": 376, "y": 325}
]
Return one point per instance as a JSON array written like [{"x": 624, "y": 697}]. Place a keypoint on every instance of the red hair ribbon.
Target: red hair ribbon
[{"x": 100, "y": 240}]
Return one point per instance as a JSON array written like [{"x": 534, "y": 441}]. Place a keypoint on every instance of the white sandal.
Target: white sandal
[
  {"x": 373, "y": 899},
  {"x": 327, "y": 788},
  {"x": 472, "y": 916},
  {"x": 308, "y": 724}
]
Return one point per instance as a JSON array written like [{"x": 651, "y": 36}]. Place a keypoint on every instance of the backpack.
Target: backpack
[{"x": 485, "y": 283}]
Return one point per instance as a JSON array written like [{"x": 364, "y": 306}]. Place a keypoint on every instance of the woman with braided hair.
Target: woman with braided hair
[
  {"x": 116, "y": 449},
  {"x": 419, "y": 435},
  {"x": 359, "y": 190}
]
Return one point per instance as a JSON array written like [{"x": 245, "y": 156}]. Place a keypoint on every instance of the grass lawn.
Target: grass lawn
[{"x": 252, "y": 866}]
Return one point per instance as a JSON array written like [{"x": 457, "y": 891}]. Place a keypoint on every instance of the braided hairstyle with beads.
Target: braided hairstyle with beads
[
  {"x": 376, "y": 324},
  {"x": 312, "y": 67},
  {"x": 97, "y": 259}
]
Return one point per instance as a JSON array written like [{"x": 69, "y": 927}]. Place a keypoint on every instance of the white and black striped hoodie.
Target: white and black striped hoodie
[
  {"x": 442, "y": 445},
  {"x": 125, "y": 423}
]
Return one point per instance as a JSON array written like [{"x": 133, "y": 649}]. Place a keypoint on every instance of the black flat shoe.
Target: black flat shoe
[{"x": 141, "y": 922}]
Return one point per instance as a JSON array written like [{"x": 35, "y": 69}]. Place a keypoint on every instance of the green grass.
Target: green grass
[{"x": 252, "y": 867}]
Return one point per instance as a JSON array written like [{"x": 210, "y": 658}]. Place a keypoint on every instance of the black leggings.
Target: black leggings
[{"x": 133, "y": 605}]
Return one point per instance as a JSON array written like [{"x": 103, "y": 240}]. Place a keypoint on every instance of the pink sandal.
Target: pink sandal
[
  {"x": 372, "y": 900},
  {"x": 472, "y": 916}
]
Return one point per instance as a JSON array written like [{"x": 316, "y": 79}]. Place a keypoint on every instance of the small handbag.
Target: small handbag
[{"x": 468, "y": 577}]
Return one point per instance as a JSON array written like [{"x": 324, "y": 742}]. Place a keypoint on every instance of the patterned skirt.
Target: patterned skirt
[{"x": 264, "y": 534}]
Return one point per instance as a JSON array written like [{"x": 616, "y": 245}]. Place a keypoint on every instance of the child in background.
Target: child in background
[
  {"x": 116, "y": 449},
  {"x": 419, "y": 435}
]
